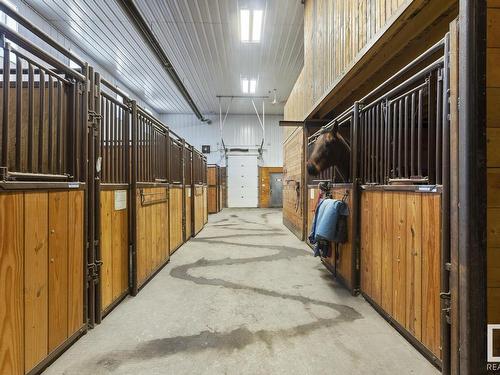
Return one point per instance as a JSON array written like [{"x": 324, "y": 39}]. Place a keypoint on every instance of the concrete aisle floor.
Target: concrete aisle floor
[{"x": 243, "y": 297}]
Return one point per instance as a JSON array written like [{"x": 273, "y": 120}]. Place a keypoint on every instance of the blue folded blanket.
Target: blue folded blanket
[{"x": 326, "y": 222}]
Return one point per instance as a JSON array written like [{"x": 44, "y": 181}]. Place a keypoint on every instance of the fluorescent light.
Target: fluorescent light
[
  {"x": 253, "y": 86},
  {"x": 244, "y": 85},
  {"x": 257, "y": 25},
  {"x": 245, "y": 25}
]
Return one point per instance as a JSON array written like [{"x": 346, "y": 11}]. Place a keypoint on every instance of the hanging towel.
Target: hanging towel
[{"x": 329, "y": 224}]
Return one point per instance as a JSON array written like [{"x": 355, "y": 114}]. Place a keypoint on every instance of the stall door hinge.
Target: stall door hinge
[{"x": 94, "y": 119}]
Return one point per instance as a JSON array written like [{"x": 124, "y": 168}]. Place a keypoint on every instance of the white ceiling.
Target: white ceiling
[{"x": 200, "y": 37}]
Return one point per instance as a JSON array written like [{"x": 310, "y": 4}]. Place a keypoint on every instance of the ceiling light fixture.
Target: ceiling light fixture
[
  {"x": 244, "y": 85},
  {"x": 251, "y": 25}
]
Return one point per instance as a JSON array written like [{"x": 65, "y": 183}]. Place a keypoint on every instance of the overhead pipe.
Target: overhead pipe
[{"x": 140, "y": 23}]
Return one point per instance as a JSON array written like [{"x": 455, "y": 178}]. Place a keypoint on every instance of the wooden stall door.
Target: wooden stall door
[
  {"x": 400, "y": 260},
  {"x": 42, "y": 270},
  {"x": 114, "y": 246}
]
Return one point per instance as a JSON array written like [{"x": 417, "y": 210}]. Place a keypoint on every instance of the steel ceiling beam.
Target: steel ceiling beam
[{"x": 143, "y": 28}]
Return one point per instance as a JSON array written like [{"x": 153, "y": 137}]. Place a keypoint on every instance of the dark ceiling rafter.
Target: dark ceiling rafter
[{"x": 140, "y": 23}]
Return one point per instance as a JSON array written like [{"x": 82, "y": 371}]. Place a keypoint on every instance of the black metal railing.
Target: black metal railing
[
  {"x": 43, "y": 106},
  {"x": 399, "y": 132}
]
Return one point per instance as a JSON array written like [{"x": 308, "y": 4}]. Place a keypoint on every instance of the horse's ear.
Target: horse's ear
[{"x": 329, "y": 136}]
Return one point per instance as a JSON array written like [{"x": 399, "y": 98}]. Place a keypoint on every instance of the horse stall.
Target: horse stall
[
  {"x": 384, "y": 157},
  {"x": 43, "y": 194},
  {"x": 204, "y": 172},
  {"x": 214, "y": 188},
  {"x": 199, "y": 188},
  {"x": 112, "y": 197},
  {"x": 176, "y": 192}
]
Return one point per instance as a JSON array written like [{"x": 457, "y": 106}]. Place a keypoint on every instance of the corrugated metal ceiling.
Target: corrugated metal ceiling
[{"x": 201, "y": 39}]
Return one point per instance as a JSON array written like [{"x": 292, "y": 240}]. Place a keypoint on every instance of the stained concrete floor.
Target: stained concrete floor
[{"x": 243, "y": 297}]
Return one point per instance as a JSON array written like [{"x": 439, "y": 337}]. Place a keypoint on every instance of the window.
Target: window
[
  {"x": 12, "y": 24},
  {"x": 251, "y": 25}
]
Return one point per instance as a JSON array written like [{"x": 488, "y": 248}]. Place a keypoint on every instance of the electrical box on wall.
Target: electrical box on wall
[{"x": 205, "y": 149}]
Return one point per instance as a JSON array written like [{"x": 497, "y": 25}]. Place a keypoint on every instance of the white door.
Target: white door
[{"x": 242, "y": 181}]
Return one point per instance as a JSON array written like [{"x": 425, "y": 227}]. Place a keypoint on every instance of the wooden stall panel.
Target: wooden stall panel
[
  {"x": 431, "y": 275},
  {"x": 152, "y": 235},
  {"x": 175, "y": 207},
  {"x": 198, "y": 209},
  {"x": 212, "y": 199},
  {"x": 11, "y": 283},
  {"x": 400, "y": 259},
  {"x": 114, "y": 245},
  {"x": 387, "y": 253},
  {"x": 205, "y": 204},
  {"x": 312, "y": 200},
  {"x": 75, "y": 261},
  {"x": 188, "y": 199},
  {"x": 58, "y": 268},
  {"x": 36, "y": 320},
  {"x": 414, "y": 264}
]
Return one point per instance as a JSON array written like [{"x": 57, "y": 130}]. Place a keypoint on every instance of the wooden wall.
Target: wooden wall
[
  {"x": 360, "y": 40},
  {"x": 41, "y": 275},
  {"x": 212, "y": 199},
  {"x": 400, "y": 259},
  {"x": 264, "y": 184},
  {"x": 114, "y": 249},
  {"x": 199, "y": 207},
  {"x": 293, "y": 172},
  {"x": 493, "y": 159},
  {"x": 152, "y": 232},
  {"x": 175, "y": 207},
  {"x": 188, "y": 198}
]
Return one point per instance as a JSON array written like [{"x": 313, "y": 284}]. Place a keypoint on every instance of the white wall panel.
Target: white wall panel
[{"x": 239, "y": 131}]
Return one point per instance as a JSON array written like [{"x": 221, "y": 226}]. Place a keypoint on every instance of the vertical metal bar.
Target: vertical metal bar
[
  {"x": 132, "y": 201},
  {"x": 112, "y": 141},
  {"x": 107, "y": 143},
  {"x": 387, "y": 169},
  {"x": 51, "y": 124},
  {"x": 369, "y": 141},
  {"x": 400, "y": 138},
  {"x": 406, "y": 126},
  {"x": 31, "y": 125},
  {"x": 439, "y": 126},
  {"x": 5, "y": 118},
  {"x": 41, "y": 119},
  {"x": 412, "y": 135},
  {"x": 19, "y": 112},
  {"x": 59, "y": 142},
  {"x": 376, "y": 124},
  {"x": 394, "y": 137},
  {"x": 355, "y": 142},
  {"x": 419, "y": 133}
]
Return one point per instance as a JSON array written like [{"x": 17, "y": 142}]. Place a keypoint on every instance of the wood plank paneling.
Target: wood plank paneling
[
  {"x": 414, "y": 264},
  {"x": 366, "y": 278},
  {"x": 58, "y": 268},
  {"x": 75, "y": 261},
  {"x": 119, "y": 225},
  {"x": 175, "y": 219},
  {"x": 293, "y": 165},
  {"x": 106, "y": 241},
  {"x": 11, "y": 284},
  {"x": 198, "y": 209},
  {"x": 205, "y": 204},
  {"x": 188, "y": 199},
  {"x": 35, "y": 278},
  {"x": 376, "y": 246},
  {"x": 399, "y": 258},
  {"x": 431, "y": 273},
  {"x": 387, "y": 252}
]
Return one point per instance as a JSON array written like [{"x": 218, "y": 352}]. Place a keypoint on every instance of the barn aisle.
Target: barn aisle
[{"x": 243, "y": 297}]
